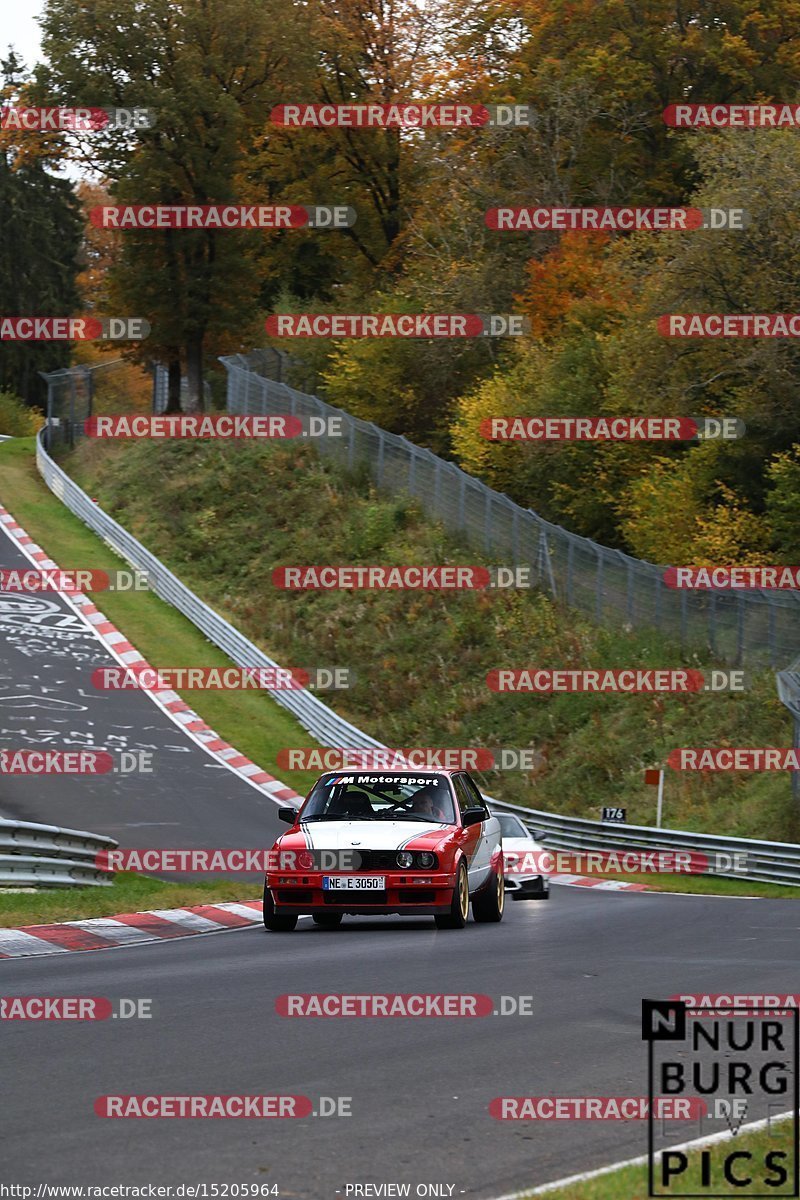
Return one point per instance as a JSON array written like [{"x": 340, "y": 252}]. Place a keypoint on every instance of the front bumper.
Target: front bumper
[
  {"x": 527, "y": 887},
  {"x": 419, "y": 892}
]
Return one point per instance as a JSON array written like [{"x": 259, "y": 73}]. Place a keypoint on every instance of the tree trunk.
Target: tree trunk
[
  {"x": 173, "y": 385},
  {"x": 194, "y": 374}
]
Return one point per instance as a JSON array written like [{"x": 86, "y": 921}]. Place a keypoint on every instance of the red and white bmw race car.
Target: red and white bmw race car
[{"x": 367, "y": 843}]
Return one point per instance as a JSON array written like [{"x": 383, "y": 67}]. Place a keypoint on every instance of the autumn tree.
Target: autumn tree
[{"x": 209, "y": 70}]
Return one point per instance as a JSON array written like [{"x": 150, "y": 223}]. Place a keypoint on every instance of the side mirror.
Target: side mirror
[
  {"x": 289, "y": 815},
  {"x": 538, "y": 835},
  {"x": 472, "y": 816}
]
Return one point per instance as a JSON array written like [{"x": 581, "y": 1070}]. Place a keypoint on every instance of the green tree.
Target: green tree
[
  {"x": 209, "y": 69},
  {"x": 40, "y": 237}
]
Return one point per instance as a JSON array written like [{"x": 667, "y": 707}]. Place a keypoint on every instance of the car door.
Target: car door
[{"x": 477, "y": 845}]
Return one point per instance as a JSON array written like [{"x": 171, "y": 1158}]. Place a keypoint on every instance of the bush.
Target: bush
[{"x": 16, "y": 418}]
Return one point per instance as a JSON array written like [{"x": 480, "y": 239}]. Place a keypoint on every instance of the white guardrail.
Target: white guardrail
[
  {"x": 776, "y": 862},
  {"x": 43, "y": 856}
]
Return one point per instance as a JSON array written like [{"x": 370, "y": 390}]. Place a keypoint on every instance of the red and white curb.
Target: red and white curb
[
  {"x": 167, "y": 700},
  {"x": 128, "y": 929},
  {"x": 603, "y": 885},
  {"x": 161, "y": 924}
]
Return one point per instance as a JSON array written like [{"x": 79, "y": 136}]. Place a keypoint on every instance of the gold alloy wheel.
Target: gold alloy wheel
[
  {"x": 501, "y": 891},
  {"x": 463, "y": 893}
]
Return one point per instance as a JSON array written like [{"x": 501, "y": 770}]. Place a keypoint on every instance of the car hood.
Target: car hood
[
  {"x": 522, "y": 845},
  {"x": 372, "y": 835}
]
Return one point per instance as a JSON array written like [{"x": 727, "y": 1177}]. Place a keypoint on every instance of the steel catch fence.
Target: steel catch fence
[{"x": 755, "y": 626}]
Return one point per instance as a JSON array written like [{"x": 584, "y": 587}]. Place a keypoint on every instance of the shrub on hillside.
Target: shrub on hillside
[{"x": 16, "y": 418}]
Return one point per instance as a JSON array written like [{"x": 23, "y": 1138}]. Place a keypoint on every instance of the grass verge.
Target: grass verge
[
  {"x": 130, "y": 892},
  {"x": 631, "y": 1183}
]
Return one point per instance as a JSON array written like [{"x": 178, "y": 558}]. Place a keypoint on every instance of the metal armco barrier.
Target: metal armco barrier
[
  {"x": 777, "y": 862},
  {"x": 34, "y": 855},
  {"x": 769, "y": 862}
]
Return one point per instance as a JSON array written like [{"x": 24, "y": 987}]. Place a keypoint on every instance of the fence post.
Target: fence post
[
  {"x": 598, "y": 599},
  {"x": 684, "y": 614},
  {"x": 49, "y": 434},
  {"x": 544, "y": 559},
  {"x": 380, "y": 455},
  {"x": 771, "y": 631},
  {"x": 89, "y": 391},
  {"x": 71, "y": 411}
]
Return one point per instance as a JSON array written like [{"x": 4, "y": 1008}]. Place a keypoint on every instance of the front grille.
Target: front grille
[{"x": 377, "y": 860}]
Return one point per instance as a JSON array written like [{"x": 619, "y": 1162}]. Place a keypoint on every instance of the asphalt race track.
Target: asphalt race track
[
  {"x": 420, "y": 1087},
  {"x": 47, "y": 656}
]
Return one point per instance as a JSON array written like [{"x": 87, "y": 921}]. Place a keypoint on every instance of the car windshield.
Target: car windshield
[
  {"x": 511, "y": 827},
  {"x": 364, "y": 797}
]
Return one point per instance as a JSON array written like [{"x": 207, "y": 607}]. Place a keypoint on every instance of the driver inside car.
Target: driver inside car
[{"x": 428, "y": 802}]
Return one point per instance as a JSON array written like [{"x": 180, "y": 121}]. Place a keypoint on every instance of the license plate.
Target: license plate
[{"x": 353, "y": 883}]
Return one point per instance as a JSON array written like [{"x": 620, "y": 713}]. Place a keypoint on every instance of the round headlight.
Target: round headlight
[
  {"x": 426, "y": 860},
  {"x": 404, "y": 859}
]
